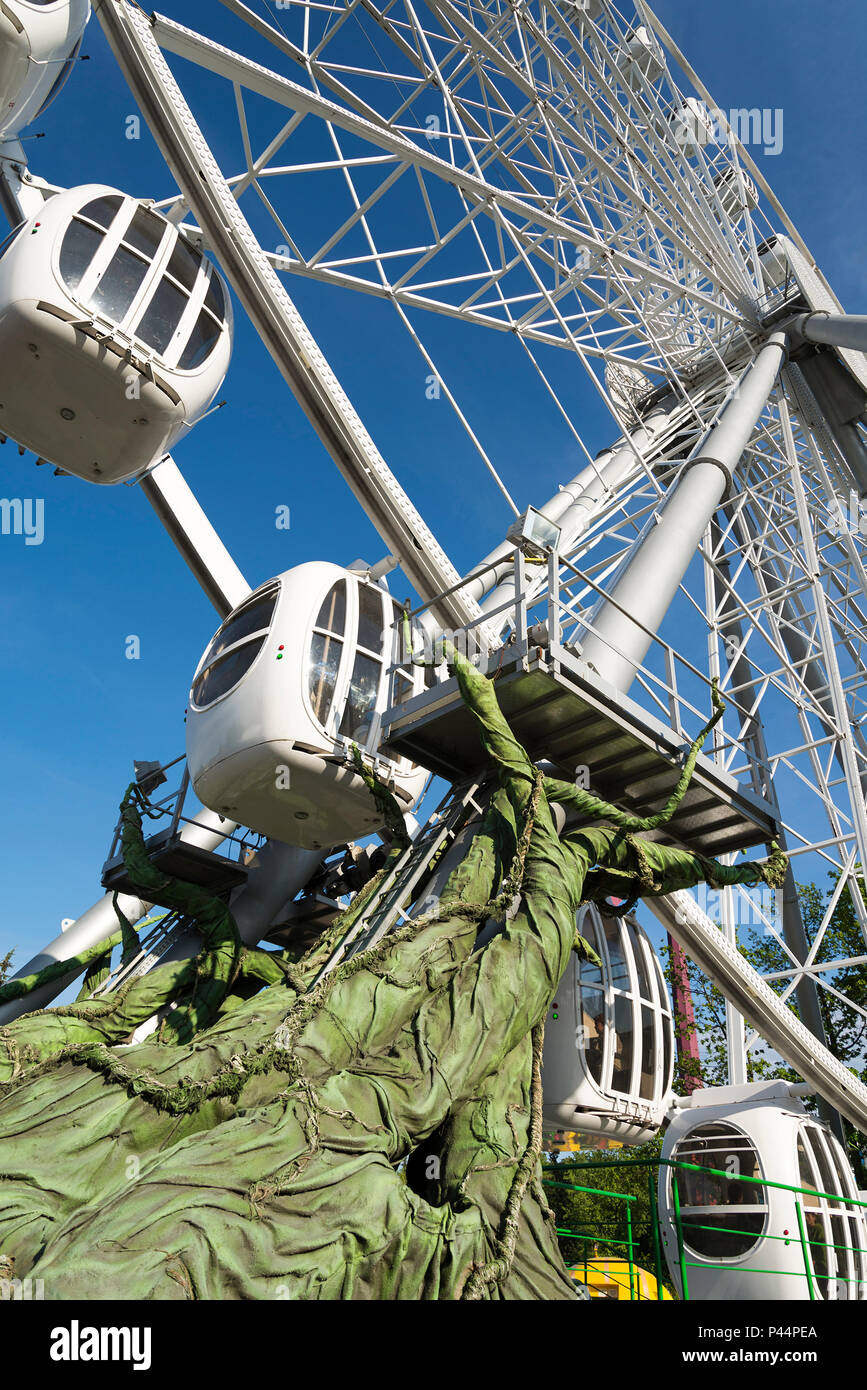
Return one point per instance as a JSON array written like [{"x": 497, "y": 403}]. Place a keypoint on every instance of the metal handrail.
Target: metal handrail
[
  {"x": 552, "y": 602},
  {"x": 169, "y": 808},
  {"x": 628, "y": 1243}
]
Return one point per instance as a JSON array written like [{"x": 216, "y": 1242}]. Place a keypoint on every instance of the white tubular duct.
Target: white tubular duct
[
  {"x": 649, "y": 578},
  {"x": 720, "y": 960},
  {"x": 100, "y": 922},
  {"x": 837, "y": 330},
  {"x": 501, "y": 555},
  {"x": 277, "y": 873},
  {"x": 573, "y": 506},
  {"x": 597, "y": 483}
]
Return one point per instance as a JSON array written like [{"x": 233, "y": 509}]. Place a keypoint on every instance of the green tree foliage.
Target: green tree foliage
[
  {"x": 5, "y": 963},
  {"x": 845, "y": 1028}
]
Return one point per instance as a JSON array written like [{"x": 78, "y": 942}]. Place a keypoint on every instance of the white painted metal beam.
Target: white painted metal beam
[
  {"x": 773, "y": 1020},
  {"x": 281, "y": 327},
  {"x": 652, "y": 572},
  {"x": 176, "y": 38},
  {"x": 175, "y": 504},
  {"x": 837, "y": 330}
]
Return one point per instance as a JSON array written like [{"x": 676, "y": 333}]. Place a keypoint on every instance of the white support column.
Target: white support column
[
  {"x": 175, "y": 504},
  {"x": 276, "y": 873},
  {"x": 652, "y": 572}
]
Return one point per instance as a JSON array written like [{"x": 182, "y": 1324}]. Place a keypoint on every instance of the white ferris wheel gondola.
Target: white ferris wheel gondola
[
  {"x": 747, "y": 1240},
  {"x": 690, "y": 124},
  {"x": 736, "y": 190},
  {"x": 609, "y": 1037},
  {"x": 39, "y": 43},
  {"x": 115, "y": 334},
  {"x": 644, "y": 60},
  {"x": 296, "y": 674}
]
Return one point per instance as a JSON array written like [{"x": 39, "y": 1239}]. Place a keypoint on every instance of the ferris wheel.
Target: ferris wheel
[{"x": 554, "y": 174}]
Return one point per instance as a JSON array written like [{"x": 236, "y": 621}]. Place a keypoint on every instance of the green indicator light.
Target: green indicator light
[{"x": 279, "y": 656}]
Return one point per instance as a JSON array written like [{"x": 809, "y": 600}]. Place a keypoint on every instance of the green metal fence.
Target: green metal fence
[
  {"x": 616, "y": 1245},
  {"x": 841, "y": 1204}
]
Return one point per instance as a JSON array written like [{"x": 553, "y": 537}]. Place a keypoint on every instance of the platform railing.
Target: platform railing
[
  {"x": 590, "y": 1262},
  {"x": 552, "y": 615},
  {"x": 665, "y": 692},
  {"x": 168, "y": 812}
]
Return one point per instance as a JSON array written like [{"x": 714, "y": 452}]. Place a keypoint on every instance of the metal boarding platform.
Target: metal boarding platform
[
  {"x": 169, "y": 852},
  {"x": 171, "y": 855},
  {"x": 561, "y": 711}
]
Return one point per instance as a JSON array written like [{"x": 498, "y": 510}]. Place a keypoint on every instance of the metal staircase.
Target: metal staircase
[{"x": 401, "y": 886}]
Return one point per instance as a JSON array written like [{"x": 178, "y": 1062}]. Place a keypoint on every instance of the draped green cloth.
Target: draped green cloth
[{"x": 260, "y": 1158}]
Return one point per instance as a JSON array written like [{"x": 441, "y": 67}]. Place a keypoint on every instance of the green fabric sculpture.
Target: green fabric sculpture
[{"x": 253, "y": 1147}]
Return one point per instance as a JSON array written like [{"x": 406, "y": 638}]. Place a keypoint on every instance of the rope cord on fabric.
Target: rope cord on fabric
[
  {"x": 202, "y": 983},
  {"x": 26, "y": 984},
  {"x": 566, "y": 793},
  {"x": 480, "y": 1277},
  {"x": 222, "y": 940}
]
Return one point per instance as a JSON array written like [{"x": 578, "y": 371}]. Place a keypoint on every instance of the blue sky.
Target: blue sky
[{"x": 75, "y": 710}]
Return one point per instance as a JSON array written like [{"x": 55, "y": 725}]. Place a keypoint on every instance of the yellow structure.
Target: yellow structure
[
  {"x": 564, "y": 1141},
  {"x": 608, "y": 1277}
]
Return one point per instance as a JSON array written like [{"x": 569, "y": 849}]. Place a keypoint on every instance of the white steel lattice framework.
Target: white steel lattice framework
[{"x": 538, "y": 170}]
